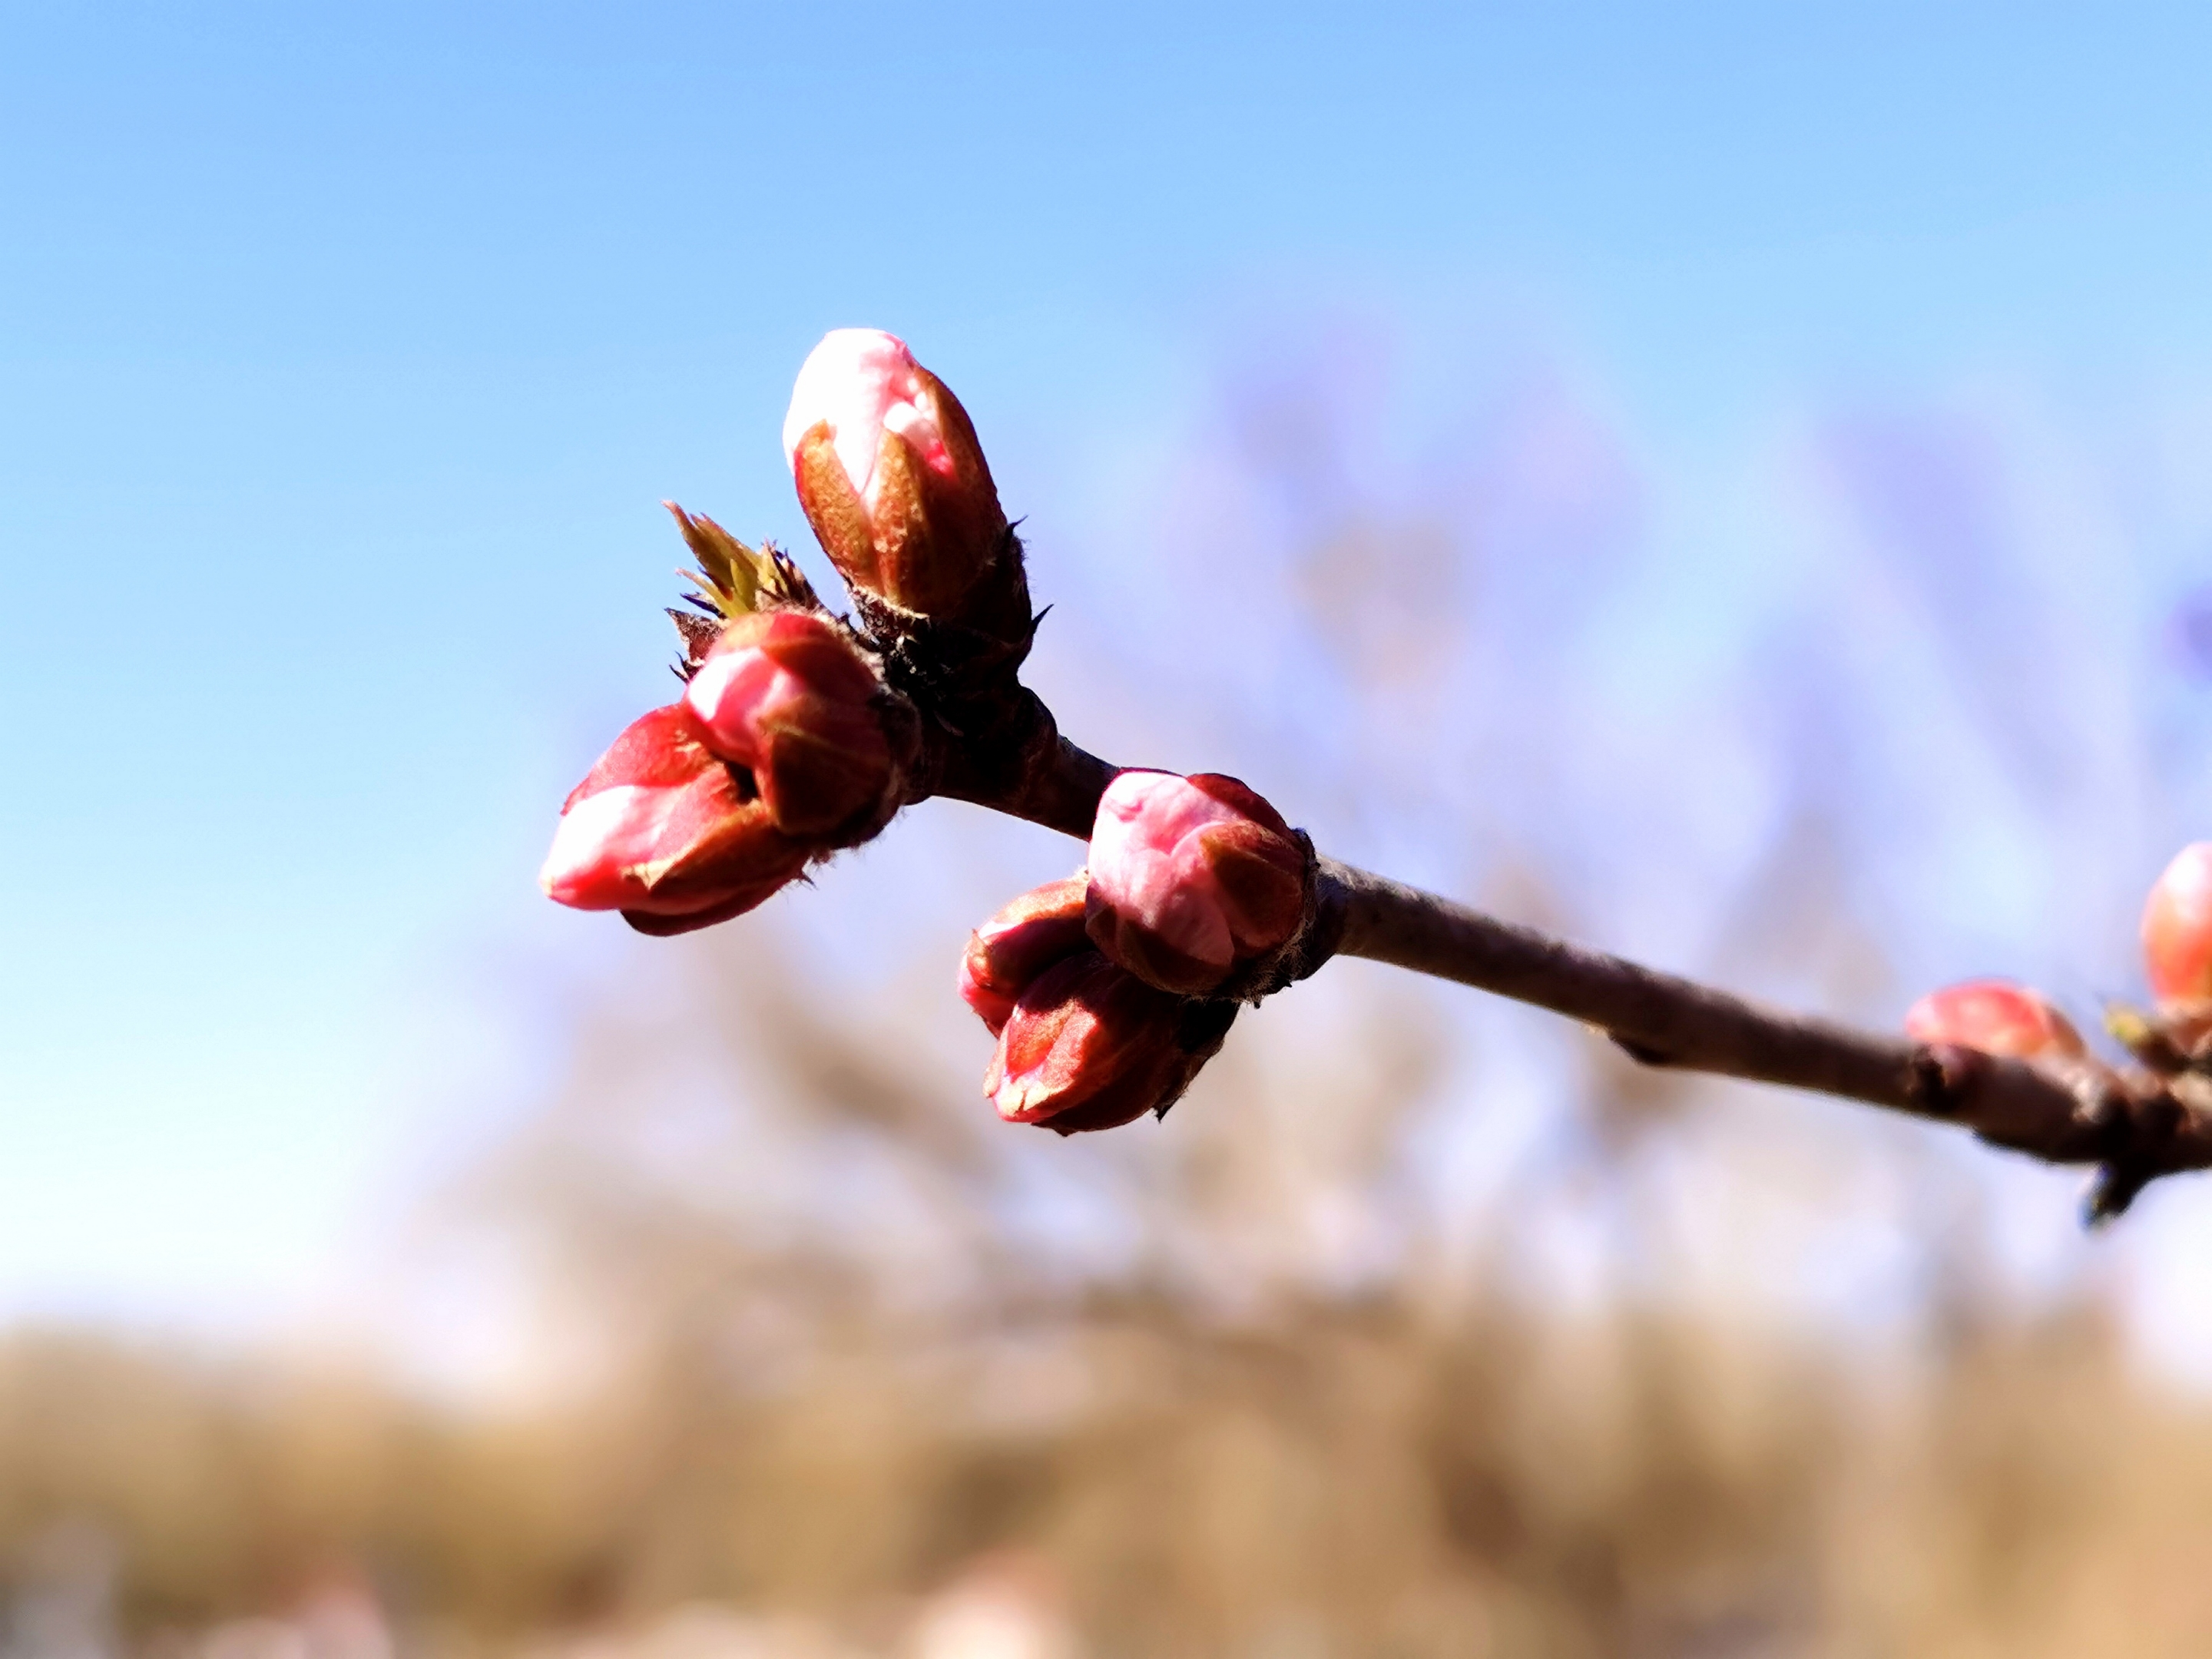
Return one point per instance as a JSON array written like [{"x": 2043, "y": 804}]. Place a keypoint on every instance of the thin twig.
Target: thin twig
[{"x": 2136, "y": 1126}]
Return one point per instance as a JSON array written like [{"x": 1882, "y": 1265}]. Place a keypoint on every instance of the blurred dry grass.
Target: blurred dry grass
[{"x": 1349, "y": 1477}]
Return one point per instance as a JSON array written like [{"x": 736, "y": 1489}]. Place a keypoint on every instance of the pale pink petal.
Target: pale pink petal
[
  {"x": 853, "y": 380},
  {"x": 864, "y": 383},
  {"x": 1147, "y": 864},
  {"x": 601, "y": 841},
  {"x": 729, "y": 694}
]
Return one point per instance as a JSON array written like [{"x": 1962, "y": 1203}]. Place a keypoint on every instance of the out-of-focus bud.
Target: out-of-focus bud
[
  {"x": 1191, "y": 878},
  {"x": 1090, "y": 1046},
  {"x": 1008, "y": 952},
  {"x": 2177, "y": 929},
  {"x": 783, "y": 694},
  {"x": 1997, "y": 1018},
  {"x": 662, "y": 830},
  {"x": 890, "y": 474}
]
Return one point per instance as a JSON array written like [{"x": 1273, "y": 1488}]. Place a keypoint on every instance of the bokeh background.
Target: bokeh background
[{"x": 1732, "y": 482}]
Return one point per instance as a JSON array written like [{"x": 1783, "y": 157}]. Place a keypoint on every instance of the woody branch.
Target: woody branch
[
  {"x": 800, "y": 734},
  {"x": 2136, "y": 1123}
]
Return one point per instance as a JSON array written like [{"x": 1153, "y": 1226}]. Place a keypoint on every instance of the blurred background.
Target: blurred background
[{"x": 1730, "y": 483}]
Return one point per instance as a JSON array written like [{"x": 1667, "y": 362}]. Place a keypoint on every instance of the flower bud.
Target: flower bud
[
  {"x": 1997, "y": 1018},
  {"x": 1007, "y": 952},
  {"x": 1090, "y": 1046},
  {"x": 665, "y": 832},
  {"x": 783, "y": 694},
  {"x": 1191, "y": 878},
  {"x": 890, "y": 474},
  {"x": 2177, "y": 929}
]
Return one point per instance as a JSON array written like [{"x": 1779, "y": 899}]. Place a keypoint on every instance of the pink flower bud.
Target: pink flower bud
[
  {"x": 2177, "y": 928},
  {"x": 890, "y": 474},
  {"x": 1994, "y": 1016},
  {"x": 1190, "y": 878},
  {"x": 664, "y": 831},
  {"x": 1011, "y": 950},
  {"x": 1089, "y": 1047},
  {"x": 783, "y": 693}
]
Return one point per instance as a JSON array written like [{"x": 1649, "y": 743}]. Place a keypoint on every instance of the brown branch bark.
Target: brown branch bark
[{"x": 2134, "y": 1125}]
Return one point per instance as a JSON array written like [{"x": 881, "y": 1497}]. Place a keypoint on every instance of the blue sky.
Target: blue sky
[{"x": 344, "y": 359}]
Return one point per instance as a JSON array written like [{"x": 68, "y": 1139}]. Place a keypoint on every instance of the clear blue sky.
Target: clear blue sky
[{"x": 343, "y": 360}]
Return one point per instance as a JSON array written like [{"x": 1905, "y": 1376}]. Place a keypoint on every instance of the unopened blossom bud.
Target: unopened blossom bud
[
  {"x": 1191, "y": 878},
  {"x": 2177, "y": 929},
  {"x": 664, "y": 830},
  {"x": 890, "y": 474},
  {"x": 1090, "y": 1046},
  {"x": 783, "y": 693},
  {"x": 1008, "y": 953},
  {"x": 1997, "y": 1018}
]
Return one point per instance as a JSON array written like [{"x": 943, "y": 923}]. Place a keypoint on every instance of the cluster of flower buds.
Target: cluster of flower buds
[
  {"x": 787, "y": 743},
  {"x": 795, "y": 736},
  {"x": 1083, "y": 1044},
  {"x": 1108, "y": 991},
  {"x": 780, "y": 751},
  {"x": 1999, "y": 1018},
  {"x": 667, "y": 832},
  {"x": 776, "y": 754}
]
